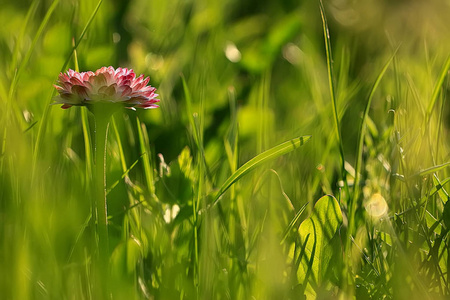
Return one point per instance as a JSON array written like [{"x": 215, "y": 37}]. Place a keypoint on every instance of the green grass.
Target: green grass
[{"x": 283, "y": 162}]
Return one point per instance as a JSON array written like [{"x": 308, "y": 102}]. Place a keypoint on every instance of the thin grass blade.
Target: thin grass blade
[
  {"x": 258, "y": 160},
  {"x": 123, "y": 176},
  {"x": 46, "y": 112},
  {"x": 439, "y": 187},
  {"x": 437, "y": 88},
  {"x": 32, "y": 46},
  {"x": 430, "y": 170},
  {"x": 187, "y": 94},
  {"x": 145, "y": 150},
  {"x": 331, "y": 83},
  {"x": 362, "y": 131},
  {"x": 293, "y": 222}
]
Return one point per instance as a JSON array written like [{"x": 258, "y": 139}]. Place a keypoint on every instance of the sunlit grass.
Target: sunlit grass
[{"x": 221, "y": 192}]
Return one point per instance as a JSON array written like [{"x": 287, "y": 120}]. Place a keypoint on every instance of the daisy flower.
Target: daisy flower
[{"x": 106, "y": 85}]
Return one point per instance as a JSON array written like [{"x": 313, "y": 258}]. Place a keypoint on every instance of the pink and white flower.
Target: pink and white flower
[{"x": 106, "y": 85}]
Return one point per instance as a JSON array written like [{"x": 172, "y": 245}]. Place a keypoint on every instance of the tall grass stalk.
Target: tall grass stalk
[
  {"x": 18, "y": 69},
  {"x": 347, "y": 279},
  {"x": 331, "y": 83},
  {"x": 359, "y": 150},
  {"x": 146, "y": 157},
  {"x": 47, "y": 108}
]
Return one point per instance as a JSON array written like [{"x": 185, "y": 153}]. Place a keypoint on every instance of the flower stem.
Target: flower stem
[{"x": 101, "y": 213}]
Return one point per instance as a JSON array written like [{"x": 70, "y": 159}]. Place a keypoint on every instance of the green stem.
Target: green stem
[{"x": 101, "y": 213}]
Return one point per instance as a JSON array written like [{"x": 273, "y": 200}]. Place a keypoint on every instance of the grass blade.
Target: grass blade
[
  {"x": 124, "y": 174},
  {"x": 326, "y": 34},
  {"x": 439, "y": 188},
  {"x": 31, "y": 11},
  {"x": 83, "y": 32},
  {"x": 145, "y": 152},
  {"x": 437, "y": 88},
  {"x": 359, "y": 151},
  {"x": 188, "y": 96},
  {"x": 32, "y": 46},
  {"x": 293, "y": 222},
  {"x": 258, "y": 160},
  {"x": 19, "y": 69},
  {"x": 430, "y": 170},
  {"x": 47, "y": 107},
  {"x": 196, "y": 131}
]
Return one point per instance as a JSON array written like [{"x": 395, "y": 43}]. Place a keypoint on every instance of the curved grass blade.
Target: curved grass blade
[
  {"x": 124, "y": 174},
  {"x": 270, "y": 154},
  {"x": 83, "y": 32},
  {"x": 20, "y": 67},
  {"x": 37, "y": 144},
  {"x": 362, "y": 131},
  {"x": 30, "y": 50},
  {"x": 293, "y": 222},
  {"x": 188, "y": 96},
  {"x": 145, "y": 153},
  {"x": 439, "y": 188},
  {"x": 331, "y": 80},
  {"x": 437, "y": 88},
  {"x": 15, "y": 57},
  {"x": 29, "y": 127},
  {"x": 430, "y": 170},
  {"x": 196, "y": 126}
]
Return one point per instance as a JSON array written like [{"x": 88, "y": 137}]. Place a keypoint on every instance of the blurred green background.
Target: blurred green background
[{"x": 257, "y": 75}]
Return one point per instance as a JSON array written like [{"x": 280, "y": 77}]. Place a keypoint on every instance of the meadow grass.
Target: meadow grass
[{"x": 301, "y": 149}]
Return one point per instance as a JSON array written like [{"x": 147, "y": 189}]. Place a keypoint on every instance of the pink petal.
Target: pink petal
[
  {"x": 75, "y": 81},
  {"x": 125, "y": 90},
  {"x": 101, "y": 70}
]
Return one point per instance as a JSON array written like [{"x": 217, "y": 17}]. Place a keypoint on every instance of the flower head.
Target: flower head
[{"x": 106, "y": 85}]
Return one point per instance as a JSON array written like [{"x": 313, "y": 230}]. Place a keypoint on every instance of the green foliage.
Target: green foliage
[
  {"x": 319, "y": 239},
  {"x": 211, "y": 196}
]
